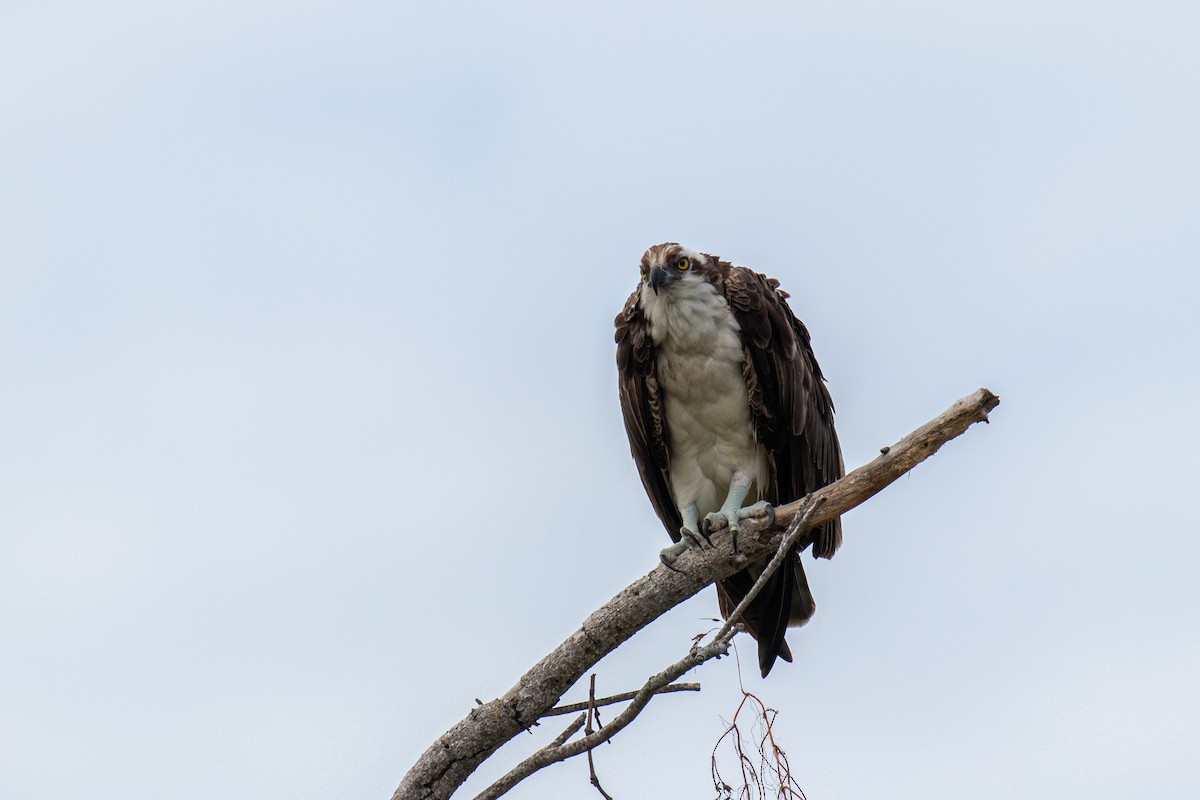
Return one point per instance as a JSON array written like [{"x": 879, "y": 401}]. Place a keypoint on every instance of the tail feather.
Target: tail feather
[
  {"x": 785, "y": 601},
  {"x": 776, "y": 607}
]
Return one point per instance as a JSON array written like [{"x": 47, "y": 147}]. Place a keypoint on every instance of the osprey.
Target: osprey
[{"x": 727, "y": 415}]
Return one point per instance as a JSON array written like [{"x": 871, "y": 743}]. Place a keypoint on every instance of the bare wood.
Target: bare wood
[
  {"x": 456, "y": 754},
  {"x": 618, "y": 698}
]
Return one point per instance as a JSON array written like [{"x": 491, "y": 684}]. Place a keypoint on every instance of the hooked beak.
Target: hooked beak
[{"x": 658, "y": 276}]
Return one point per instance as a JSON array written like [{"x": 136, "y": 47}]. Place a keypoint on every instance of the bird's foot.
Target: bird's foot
[
  {"x": 732, "y": 519},
  {"x": 689, "y": 539}
]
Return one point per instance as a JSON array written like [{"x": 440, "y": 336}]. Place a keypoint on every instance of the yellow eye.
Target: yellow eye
[{"x": 682, "y": 263}]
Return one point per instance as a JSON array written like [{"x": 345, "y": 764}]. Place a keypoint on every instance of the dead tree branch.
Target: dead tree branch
[
  {"x": 456, "y": 754},
  {"x": 698, "y": 655},
  {"x": 545, "y": 757}
]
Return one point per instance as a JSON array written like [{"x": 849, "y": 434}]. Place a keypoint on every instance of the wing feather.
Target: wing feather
[
  {"x": 642, "y": 409},
  {"x": 789, "y": 402}
]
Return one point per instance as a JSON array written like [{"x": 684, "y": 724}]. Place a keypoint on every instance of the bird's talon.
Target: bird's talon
[
  {"x": 663, "y": 558},
  {"x": 715, "y": 521},
  {"x": 668, "y": 554}
]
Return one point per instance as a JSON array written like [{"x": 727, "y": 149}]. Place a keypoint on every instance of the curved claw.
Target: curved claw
[
  {"x": 668, "y": 554},
  {"x": 663, "y": 558},
  {"x": 691, "y": 538},
  {"x": 758, "y": 512},
  {"x": 706, "y": 531},
  {"x": 717, "y": 521}
]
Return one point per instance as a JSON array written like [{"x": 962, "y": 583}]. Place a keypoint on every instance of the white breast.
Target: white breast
[{"x": 705, "y": 400}]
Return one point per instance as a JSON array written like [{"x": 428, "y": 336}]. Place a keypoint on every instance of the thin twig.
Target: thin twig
[
  {"x": 587, "y": 730},
  {"x": 567, "y": 733},
  {"x": 591, "y": 706},
  {"x": 617, "y": 698}
]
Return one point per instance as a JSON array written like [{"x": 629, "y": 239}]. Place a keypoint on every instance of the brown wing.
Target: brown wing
[
  {"x": 790, "y": 405},
  {"x": 642, "y": 408}
]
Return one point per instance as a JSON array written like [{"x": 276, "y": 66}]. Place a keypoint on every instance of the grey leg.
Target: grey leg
[
  {"x": 690, "y": 536},
  {"x": 732, "y": 513}
]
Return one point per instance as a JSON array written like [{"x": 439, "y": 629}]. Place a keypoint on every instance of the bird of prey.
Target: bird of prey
[{"x": 727, "y": 415}]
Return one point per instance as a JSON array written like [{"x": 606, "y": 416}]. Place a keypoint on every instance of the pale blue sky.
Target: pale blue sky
[{"x": 309, "y": 432}]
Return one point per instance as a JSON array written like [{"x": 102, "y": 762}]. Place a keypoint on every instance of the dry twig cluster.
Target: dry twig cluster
[{"x": 766, "y": 773}]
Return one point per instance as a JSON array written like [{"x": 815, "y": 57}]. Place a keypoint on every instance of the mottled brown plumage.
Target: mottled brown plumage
[{"x": 792, "y": 415}]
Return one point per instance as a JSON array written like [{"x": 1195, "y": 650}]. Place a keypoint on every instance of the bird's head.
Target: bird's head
[{"x": 665, "y": 265}]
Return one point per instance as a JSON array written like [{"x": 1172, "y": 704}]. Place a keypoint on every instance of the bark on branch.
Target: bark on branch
[{"x": 456, "y": 754}]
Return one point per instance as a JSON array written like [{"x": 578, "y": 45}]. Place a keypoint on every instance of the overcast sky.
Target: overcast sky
[{"x": 309, "y": 432}]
